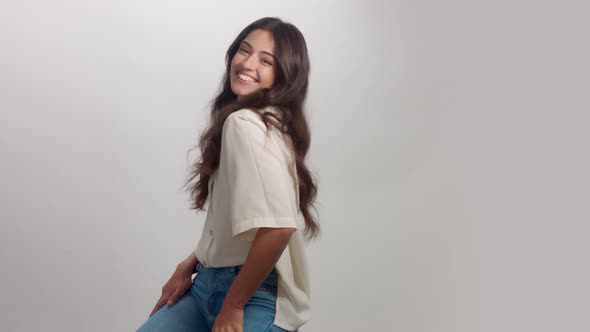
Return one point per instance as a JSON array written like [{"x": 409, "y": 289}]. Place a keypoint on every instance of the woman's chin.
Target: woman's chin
[{"x": 240, "y": 91}]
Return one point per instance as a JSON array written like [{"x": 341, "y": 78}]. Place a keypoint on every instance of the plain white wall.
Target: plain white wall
[{"x": 449, "y": 142}]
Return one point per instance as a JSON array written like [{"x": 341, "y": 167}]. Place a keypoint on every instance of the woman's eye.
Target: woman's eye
[
  {"x": 243, "y": 50},
  {"x": 267, "y": 62}
]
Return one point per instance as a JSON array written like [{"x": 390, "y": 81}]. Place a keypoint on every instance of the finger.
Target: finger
[
  {"x": 156, "y": 308},
  {"x": 158, "y": 305},
  {"x": 172, "y": 300}
]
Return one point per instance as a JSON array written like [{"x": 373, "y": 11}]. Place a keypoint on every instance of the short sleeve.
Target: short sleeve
[{"x": 261, "y": 189}]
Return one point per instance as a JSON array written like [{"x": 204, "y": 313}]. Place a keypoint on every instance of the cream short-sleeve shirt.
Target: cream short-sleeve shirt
[{"x": 256, "y": 186}]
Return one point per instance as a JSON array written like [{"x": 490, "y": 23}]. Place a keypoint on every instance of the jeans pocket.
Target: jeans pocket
[
  {"x": 270, "y": 283},
  {"x": 267, "y": 288}
]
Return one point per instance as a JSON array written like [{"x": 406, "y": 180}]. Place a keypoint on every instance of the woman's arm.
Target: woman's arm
[
  {"x": 189, "y": 263},
  {"x": 266, "y": 249}
]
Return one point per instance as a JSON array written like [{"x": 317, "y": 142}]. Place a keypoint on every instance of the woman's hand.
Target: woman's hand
[
  {"x": 229, "y": 320},
  {"x": 179, "y": 283}
]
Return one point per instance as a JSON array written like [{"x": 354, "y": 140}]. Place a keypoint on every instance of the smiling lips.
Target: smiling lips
[{"x": 245, "y": 78}]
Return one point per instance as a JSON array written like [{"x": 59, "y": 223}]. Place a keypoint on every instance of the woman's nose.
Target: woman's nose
[{"x": 248, "y": 62}]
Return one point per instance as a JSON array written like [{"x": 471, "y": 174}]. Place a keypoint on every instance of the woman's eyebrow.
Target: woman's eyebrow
[{"x": 265, "y": 52}]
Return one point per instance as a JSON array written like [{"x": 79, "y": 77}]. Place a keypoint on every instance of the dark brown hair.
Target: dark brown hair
[{"x": 287, "y": 94}]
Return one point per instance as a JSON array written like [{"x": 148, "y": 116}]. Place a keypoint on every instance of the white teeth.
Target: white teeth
[{"x": 246, "y": 78}]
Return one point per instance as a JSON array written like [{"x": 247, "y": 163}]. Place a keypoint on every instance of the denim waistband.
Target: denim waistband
[
  {"x": 270, "y": 282},
  {"x": 233, "y": 269}
]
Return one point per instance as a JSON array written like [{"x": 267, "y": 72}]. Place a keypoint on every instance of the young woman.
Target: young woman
[{"x": 250, "y": 261}]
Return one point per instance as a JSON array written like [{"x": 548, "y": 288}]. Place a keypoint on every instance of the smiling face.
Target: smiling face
[{"x": 253, "y": 65}]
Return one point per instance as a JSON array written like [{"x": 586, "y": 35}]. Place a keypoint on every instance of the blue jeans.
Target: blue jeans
[{"x": 196, "y": 310}]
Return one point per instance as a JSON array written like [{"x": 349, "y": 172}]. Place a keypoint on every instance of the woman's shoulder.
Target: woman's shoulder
[
  {"x": 247, "y": 117},
  {"x": 249, "y": 113},
  {"x": 249, "y": 126}
]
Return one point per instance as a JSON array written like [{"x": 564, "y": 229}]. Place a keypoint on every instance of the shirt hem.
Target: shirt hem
[
  {"x": 249, "y": 224},
  {"x": 287, "y": 326}
]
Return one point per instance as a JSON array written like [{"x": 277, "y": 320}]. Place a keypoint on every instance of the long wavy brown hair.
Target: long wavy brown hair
[{"x": 287, "y": 94}]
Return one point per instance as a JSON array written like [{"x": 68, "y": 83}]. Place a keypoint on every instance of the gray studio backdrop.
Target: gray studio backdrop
[{"x": 450, "y": 147}]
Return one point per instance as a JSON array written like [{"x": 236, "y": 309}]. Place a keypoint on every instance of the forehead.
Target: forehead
[{"x": 260, "y": 40}]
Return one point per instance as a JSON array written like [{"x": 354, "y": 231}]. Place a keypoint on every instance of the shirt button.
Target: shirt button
[{"x": 210, "y": 232}]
